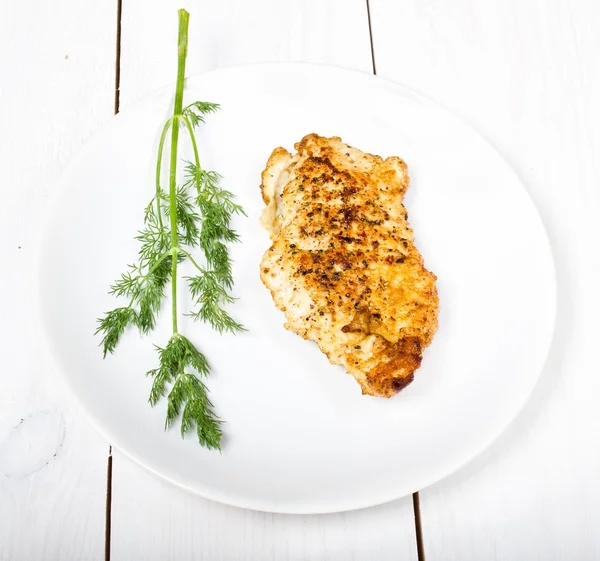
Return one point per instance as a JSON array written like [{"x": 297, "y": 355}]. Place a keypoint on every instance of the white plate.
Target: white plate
[{"x": 300, "y": 437}]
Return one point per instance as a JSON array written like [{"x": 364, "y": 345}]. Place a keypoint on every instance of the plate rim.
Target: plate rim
[{"x": 315, "y": 507}]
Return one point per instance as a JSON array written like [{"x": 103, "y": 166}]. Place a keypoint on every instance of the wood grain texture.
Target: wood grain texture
[
  {"x": 153, "y": 519},
  {"x": 526, "y": 75},
  {"x": 56, "y": 65}
]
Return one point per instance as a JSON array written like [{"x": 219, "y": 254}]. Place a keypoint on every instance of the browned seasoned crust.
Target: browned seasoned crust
[{"x": 343, "y": 265}]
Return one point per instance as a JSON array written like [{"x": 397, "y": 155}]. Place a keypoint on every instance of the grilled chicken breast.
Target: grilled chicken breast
[{"x": 343, "y": 265}]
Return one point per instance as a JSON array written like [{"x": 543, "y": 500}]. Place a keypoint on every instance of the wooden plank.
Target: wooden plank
[
  {"x": 57, "y": 69},
  {"x": 151, "y": 518},
  {"x": 525, "y": 74}
]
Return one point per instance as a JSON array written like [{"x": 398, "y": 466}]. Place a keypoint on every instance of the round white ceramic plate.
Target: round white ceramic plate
[{"x": 300, "y": 437}]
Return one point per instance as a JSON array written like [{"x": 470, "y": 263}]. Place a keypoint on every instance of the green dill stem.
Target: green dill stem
[
  {"x": 195, "y": 147},
  {"x": 161, "y": 146},
  {"x": 192, "y": 260},
  {"x": 193, "y": 139},
  {"x": 184, "y": 19}
]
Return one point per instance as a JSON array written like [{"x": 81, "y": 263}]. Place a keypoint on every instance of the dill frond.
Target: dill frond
[{"x": 194, "y": 214}]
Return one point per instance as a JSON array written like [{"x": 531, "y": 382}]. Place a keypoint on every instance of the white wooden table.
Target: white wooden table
[{"x": 525, "y": 73}]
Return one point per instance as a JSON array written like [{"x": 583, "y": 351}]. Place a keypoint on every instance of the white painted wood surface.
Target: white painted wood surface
[
  {"x": 525, "y": 74},
  {"x": 234, "y": 32},
  {"x": 56, "y": 68}
]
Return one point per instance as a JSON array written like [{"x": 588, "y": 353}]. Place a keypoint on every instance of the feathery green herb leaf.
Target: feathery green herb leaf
[
  {"x": 195, "y": 214},
  {"x": 113, "y": 325},
  {"x": 196, "y": 111}
]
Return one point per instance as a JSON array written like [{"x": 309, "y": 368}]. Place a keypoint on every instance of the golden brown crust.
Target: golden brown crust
[
  {"x": 276, "y": 156},
  {"x": 343, "y": 265}
]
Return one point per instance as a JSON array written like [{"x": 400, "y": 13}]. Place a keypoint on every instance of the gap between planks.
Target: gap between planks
[
  {"x": 371, "y": 38},
  {"x": 415, "y": 497},
  {"x": 109, "y": 463},
  {"x": 108, "y": 519},
  {"x": 418, "y": 527}
]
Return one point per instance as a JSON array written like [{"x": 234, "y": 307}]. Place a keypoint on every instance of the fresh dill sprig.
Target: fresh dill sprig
[
  {"x": 188, "y": 394},
  {"x": 195, "y": 214}
]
